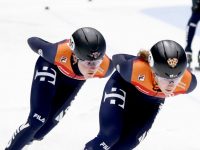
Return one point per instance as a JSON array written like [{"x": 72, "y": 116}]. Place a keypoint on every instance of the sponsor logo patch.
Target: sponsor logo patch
[
  {"x": 141, "y": 77},
  {"x": 45, "y": 74},
  {"x": 63, "y": 59},
  {"x": 105, "y": 146},
  {"x": 38, "y": 117}
]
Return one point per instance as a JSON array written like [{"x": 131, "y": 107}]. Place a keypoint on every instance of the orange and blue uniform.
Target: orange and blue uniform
[
  {"x": 60, "y": 55},
  {"x": 56, "y": 82},
  {"x": 130, "y": 104}
]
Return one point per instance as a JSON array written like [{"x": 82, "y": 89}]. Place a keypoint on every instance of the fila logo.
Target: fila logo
[
  {"x": 16, "y": 132},
  {"x": 62, "y": 113},
  {"x": 141, "y": 77},
  {"x": 106, "y": 147},
  {"x": 46, "y": 74},
  {"x": 38, "y": 117},
  {"x": 63, "y": 59},
  {"x": 115, "y": 95}
]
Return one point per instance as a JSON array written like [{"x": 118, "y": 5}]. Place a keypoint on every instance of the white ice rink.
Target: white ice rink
[{"x": 128, "y": 26}]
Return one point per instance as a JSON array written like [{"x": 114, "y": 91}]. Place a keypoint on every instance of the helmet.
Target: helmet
[
  {"x": 167, "y": 59},
  {"x": 88, "y": 44}
]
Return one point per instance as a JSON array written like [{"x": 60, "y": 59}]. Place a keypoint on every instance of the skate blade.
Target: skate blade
[{"x": 197, "y": 68}]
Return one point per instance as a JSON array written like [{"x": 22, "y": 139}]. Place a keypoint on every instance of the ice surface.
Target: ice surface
[{"x": 128, "y": 26}]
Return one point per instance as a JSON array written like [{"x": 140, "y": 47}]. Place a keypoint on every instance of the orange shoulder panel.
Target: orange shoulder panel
[
  {"x": 103, "y": 67},
  {"x": 63, "y": 59},
  {"x": 142, "y": 77},
  {"x": 184, "y": 84}
]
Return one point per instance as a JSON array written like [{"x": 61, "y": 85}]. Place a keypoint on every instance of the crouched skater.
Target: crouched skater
[
  {"x": 60, "y": 72},
  {"x": 135, "y": 93}
]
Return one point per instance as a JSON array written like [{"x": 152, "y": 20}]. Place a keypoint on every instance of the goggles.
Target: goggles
[
  {"x": 88, "y": 63},
  {"x": 168, "y": 81}
]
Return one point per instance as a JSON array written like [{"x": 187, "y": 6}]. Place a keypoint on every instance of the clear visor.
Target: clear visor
[
  {"x": 87, "y": 63},
  {"x": 168, "y": 81}
]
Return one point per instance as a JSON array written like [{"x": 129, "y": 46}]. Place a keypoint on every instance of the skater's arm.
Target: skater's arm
[
  {"x": 110, "y": 67},
  {"x": 193, "y": 84},
  {"x": 124, "y": 65},
  {"x": 43, "y": 48}
]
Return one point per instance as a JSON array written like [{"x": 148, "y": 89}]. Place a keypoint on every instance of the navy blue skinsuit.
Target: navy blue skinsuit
[
  {"x": 51, "y": 94},
  {"x": 127, "y": 112},
  {"x": 192, "y": 24}
]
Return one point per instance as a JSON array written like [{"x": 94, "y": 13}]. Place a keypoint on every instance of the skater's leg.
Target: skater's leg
[
  {"x": 65, "y": 94},
  {"x": 137, "y": 125},
  {"x": 190, "y": 32},
  {"x": 42, "y": 93},
  {"x": 112, "y": 110}
]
